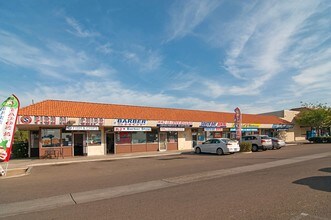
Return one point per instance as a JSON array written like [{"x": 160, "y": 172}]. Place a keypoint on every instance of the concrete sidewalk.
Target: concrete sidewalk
[{"x": 21, "y": 167}]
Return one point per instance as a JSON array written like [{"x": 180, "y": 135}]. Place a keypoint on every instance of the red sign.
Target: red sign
[
  {"x": 8, "y": 116},
  {"x": 237, "y": 122}
]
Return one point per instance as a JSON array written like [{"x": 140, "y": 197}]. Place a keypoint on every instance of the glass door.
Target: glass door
[
  {"x": 34, "y": 144},
  {"x": 78, "y": 144},
  {"x": 110, "y": 143},
  {"x": 163, "y": 141}
]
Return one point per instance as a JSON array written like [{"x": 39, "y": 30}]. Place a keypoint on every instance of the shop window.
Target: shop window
[
  {"x": 172, "y": 137},
  {"x": 50, "y": 138},
  {"x": 217, "y": 134},
  {"x": 66, "y": 138},
  {"x": 123, "y": 138},
  {"x": 138, "y": 137},
  {"x": 152, "y": 137},
  {"x": 94, "y": 138},
  {"x": 201, "y": 135}
]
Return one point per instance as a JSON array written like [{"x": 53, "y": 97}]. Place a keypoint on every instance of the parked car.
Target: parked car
[
  {"x": 259, "y": 142},
  {"x": 277, "y": 143},
  {"x": 218, "y": 145}
]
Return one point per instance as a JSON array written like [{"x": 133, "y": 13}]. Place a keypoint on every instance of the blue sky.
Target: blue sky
[{"x": 195, "y": 54}]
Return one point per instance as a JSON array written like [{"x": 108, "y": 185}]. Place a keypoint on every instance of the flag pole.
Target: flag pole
[{"x": 6, "y": 168}]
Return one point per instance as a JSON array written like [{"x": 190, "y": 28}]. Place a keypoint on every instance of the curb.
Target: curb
[
  {"x": 17, "y": 172},
  {"x": 248, "y": 152}
]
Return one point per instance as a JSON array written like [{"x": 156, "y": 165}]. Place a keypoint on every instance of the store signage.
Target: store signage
[
  {"x": 245, "y": 129},
  {"x": 250, "y": 125},
  {"x": 42, "y": 120},
  {"x": 280, "y": 126},
  {"x": 171, "y": 129},
  {"x": 82, "y": 128},
  {"x": 212, "y": 125},
  {"x": 237, "y": 122},
  {"x": 91, "y": 121},
  {"x": 132, "y": 129},
  {"x": 175, "y": 124},
  {"x": 213, "y": 129},
  {"x": 130, "y": 122}
]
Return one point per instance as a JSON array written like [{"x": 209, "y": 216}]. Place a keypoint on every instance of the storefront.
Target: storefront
[{"x": 142, "y": 129}]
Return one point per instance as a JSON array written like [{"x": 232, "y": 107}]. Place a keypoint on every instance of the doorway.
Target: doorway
[
  {"x": 163, "y": 141},
  {"x": 34, "y": 144},
  {"x": 78, "y": 144},
  {"x": 110, "y": 143}
]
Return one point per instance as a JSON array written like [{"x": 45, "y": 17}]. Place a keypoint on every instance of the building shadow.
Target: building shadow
[{"x": 322, "y": 183}]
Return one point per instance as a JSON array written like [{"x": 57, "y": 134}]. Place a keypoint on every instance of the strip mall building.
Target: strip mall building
[{"x": 86, "y": 129}]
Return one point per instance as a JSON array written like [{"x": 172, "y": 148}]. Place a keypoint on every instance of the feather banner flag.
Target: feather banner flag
[{"x": 8, "y": 116}]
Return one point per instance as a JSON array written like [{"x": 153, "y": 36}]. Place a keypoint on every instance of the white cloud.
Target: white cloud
[
  {"x": 55, "y": 60},
  {"x": 147, "y": 60},
  {"x": 261, "y": 39},
  {"x": 100, "y": 72},
  {"x": 78, "y": 29},
  {"x": 186, "y": 15},
  {"x": 94, "y": 91},
  {"x": 105, "y": 48},
  {"x": 313, "y": 75}
]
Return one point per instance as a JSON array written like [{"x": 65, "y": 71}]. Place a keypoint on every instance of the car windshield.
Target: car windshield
[
  {"x": 265, "y": 137},
  {"x": 225, "y": 140}
]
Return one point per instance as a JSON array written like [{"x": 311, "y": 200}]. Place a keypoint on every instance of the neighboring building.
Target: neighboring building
[
  {"x": 292, "y": 132},
  {"x": 80, "y": 128}
]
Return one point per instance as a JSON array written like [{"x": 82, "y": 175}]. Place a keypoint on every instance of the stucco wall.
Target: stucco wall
[
  {"x": 185, "y": 139},
  {"x": 95, "y": 150}
]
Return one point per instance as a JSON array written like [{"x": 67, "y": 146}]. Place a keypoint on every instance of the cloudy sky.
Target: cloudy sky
[{"x": 195, "y": 54}]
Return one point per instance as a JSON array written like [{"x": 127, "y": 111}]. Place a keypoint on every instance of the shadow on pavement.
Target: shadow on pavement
[{"x": 322, "y": 183}]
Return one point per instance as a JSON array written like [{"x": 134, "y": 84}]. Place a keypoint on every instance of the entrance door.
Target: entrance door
[
  {"x": 34, "y": 144},
  {"x": 78, "y": 144},
  {"x": 110, "y": 143},
  {"x": 163, "y": 141}
]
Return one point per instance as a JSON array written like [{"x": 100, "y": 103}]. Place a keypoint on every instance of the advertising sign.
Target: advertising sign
[
  {"x": 175, "y": 124},
  {"x": 42, "y": 120},
  {"x": 237, "y": 123},
  {"x": 171, "y": 129},
  {"x": 212, "y": 125},
  {"x": 282, "y": 126},
  {"x": 8, "y": 116},
  {"x": 82, "y": 128},
  {"x": 132, "y": 129},
  {"x": 130, "y": 122},
  {"x": 213, "y": 129},
  {"x": 245, "y": 129}
]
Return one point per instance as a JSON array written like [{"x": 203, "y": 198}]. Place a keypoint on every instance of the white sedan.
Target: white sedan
[{"x": 218, "y": 145}]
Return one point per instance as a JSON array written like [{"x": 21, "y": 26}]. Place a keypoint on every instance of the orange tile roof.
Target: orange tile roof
[{"x": 74, "y": 109}]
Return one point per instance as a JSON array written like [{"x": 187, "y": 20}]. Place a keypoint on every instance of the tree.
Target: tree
[{"x": 317, "y": 116}]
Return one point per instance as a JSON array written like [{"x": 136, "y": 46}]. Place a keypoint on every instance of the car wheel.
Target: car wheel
[
  {"x": 197, "y": 150},
  {"x": 254, "y": 148},
  {"x": 219, "y": 151},
  {"x": 264, "y": 148}
]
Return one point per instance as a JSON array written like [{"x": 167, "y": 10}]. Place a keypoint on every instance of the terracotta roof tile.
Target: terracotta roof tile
[{"x": 74, "y": 109}]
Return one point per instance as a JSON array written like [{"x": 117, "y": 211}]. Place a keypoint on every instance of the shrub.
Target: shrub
[
  {"x": 245, "y": 147},
  {"x": 20, "y": 150},
  {"x": 320, "y": 139}
]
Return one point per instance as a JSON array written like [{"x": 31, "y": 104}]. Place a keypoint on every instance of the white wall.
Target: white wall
[
  {"x": 95, "y": 150},
  {"x": 185, "y": 139}
]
